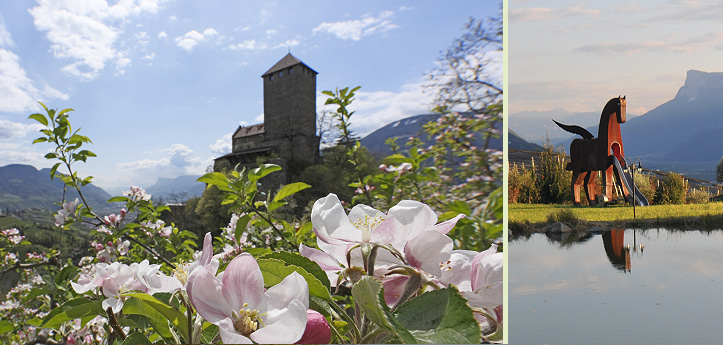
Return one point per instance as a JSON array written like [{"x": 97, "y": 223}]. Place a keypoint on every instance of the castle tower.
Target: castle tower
[{"x": 290, "y": 109}]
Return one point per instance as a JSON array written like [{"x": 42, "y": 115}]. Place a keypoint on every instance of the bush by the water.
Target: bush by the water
[
  {"x": 645, "y": 185},
  {"x": 697, "y": 196},
  {"x": 671, "y": 190},
  {"x": 564, "y": 216},
  {"x": 522, "y": 185}
]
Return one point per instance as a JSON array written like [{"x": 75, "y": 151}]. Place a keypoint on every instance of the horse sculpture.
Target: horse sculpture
[{"x": 590, "y": 155}]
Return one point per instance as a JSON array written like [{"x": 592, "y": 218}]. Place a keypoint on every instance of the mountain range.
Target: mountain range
[
  {"x": 682, "y": 135},
  {"x": 412, "y": 127},
  {"x": 25, "y": 187}
]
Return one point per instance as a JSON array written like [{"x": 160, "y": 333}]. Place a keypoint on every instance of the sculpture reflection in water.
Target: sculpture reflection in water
[{"x": 617, "y": 251}]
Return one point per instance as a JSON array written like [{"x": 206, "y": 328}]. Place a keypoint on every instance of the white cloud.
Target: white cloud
[
  {"x": 358, "y": 28},
  {"x": 16, "y": 130},
  {"x": 14, "y": 153},
  {"x": 248, "y": 45},
  {"x": 17, "y": 92},
  {"x": 85, "y": 32},
  {"x": 288, "y": 44},
  {"x": 162, "y": 35},
  {"x": 222, "y": 145},
  {"x": 542, "y": 13},
  {"x": 180, "y": 161},
  {"x": 150, "y": 56},
  {"x": 194, "y": 38},
  {"x": 5, "y": 38}
]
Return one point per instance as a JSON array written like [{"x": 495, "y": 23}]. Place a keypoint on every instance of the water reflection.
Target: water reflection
[
  {"x": 567, "y": 288},
  {"x": 615, "y": 249}
]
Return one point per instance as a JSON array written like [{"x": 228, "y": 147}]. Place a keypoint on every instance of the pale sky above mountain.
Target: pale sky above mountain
[
  {"x": 577, "y": 55},
  {"x": 160, "y": 85}
]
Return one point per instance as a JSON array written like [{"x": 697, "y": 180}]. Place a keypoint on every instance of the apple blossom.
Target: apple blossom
[
  {"x": 67, "y": 209},
  {"x": 117, "y": 278},
  {"x": 137, "y": 193},
  {"x": 235, "y": 301},
  {"x": 410, "y": 227},
  {"x": 13, "y": 235},
  {"x": 204, "y": 258},
  {"x": 317, "y": 329}
]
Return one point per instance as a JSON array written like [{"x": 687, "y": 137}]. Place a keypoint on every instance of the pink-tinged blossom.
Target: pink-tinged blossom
[
  {"x": 113, "y": 219},
  {"x": 237, "y": 303},
  {"x": 13, "y": 235},
  {"x": 116, "y": 279},
  {"x": 204, "y": 258},
  {"x": 478, "y": 276},
  {"x": 137, "y": 193},
  {"x": 67, "y": 209},
  {"x": 317, "y": 329},
  {"x": 410, "y": 228}
]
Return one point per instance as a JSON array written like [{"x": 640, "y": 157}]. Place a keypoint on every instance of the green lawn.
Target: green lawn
[{"x": 538, "y": 213}]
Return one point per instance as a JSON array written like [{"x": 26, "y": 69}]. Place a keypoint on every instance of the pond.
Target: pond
[{"x": 620, "y": 286}]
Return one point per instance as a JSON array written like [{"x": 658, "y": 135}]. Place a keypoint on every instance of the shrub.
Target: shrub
[
  {"x": 565, "y": 216},
  {"x": 671, "y": 190},
  {"x": 645, "y": 185},
  {"x": 697, "y": 196},
  {"x": 522, "y": 187},
  {"x": 553, "y": 179}
]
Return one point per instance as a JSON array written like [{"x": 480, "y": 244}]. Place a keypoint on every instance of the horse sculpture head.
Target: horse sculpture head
[{"x": 617, "y": 106}]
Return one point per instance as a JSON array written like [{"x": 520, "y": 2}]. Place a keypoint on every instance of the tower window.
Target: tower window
[
  {"x": 271, "y": 77},
  {"x": 291, "y": 70},
  {"x": 281, "y": 74}
]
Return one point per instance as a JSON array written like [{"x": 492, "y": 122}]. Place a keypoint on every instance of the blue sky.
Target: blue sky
[
  {"x": 160, "y": 85},
  {"x": 577, "y": 55}
]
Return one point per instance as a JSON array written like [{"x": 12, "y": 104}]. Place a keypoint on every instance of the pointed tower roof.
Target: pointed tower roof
[{"x": 286, "y": 62}]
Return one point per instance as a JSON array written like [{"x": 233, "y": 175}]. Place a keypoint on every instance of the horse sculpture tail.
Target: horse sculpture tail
[{"x": 576, "y": 130}]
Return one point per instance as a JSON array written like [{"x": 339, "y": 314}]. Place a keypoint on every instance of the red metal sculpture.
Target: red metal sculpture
[{"x": 590, "y": 155}]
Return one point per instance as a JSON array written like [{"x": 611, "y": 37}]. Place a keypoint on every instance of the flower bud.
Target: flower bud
[{"x": 317, "y": 329}]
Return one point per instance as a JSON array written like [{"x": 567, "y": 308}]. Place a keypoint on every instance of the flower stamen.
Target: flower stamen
[{"x": 247, "y": 321}]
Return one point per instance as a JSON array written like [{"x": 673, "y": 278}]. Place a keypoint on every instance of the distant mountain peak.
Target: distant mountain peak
[{"x": 700, "y": 84}]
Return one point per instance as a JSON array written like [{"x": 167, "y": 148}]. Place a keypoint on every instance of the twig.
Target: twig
[{"x": 113, "y": 322}]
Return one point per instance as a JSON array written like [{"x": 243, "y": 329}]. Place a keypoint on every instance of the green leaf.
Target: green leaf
[
  {"x": 275, "y": 270},
  {"x": 369, "y": 295},
  {"x": 241, "y": 225},
  {"x": 40, "y": 140},
  {"x": 304, "y": 229},
  {"x": 40, "y": 118},
  {"x": 159, "y": 323},
  {"x": 50, "y": 155},
  {"x": 53, "y": 170},
  {"x": 261, "y": 171},
  {"x": 119, "y": 199},
  {"x": 66, "y": 274},
  {"x": 74, "y": 309},
  {"x": 6, "y": 326},
  {"x": 34, "y": 322},
  {"x": 135, "y": 339},
  {"x": 303, "y": 262},
  {"x": 290, "y": 189},
  {"x": 451, "y": 321},
  {"x": 177, "y": 318},
  {"x": 216, "y": 179},
  {"x": 87, "y": 153}
]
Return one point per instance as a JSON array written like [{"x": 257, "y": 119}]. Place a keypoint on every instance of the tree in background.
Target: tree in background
[{"x": 719, "y": 172}]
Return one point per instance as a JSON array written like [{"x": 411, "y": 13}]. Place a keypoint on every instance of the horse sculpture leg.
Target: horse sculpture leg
[
  {"x": 609, "y": 182},
  {"x": 591, "y": 187},
  {"x": 577, "y": 179}
]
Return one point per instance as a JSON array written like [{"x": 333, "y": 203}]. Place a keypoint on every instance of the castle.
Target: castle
[{"x": 287, "y": 136}]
